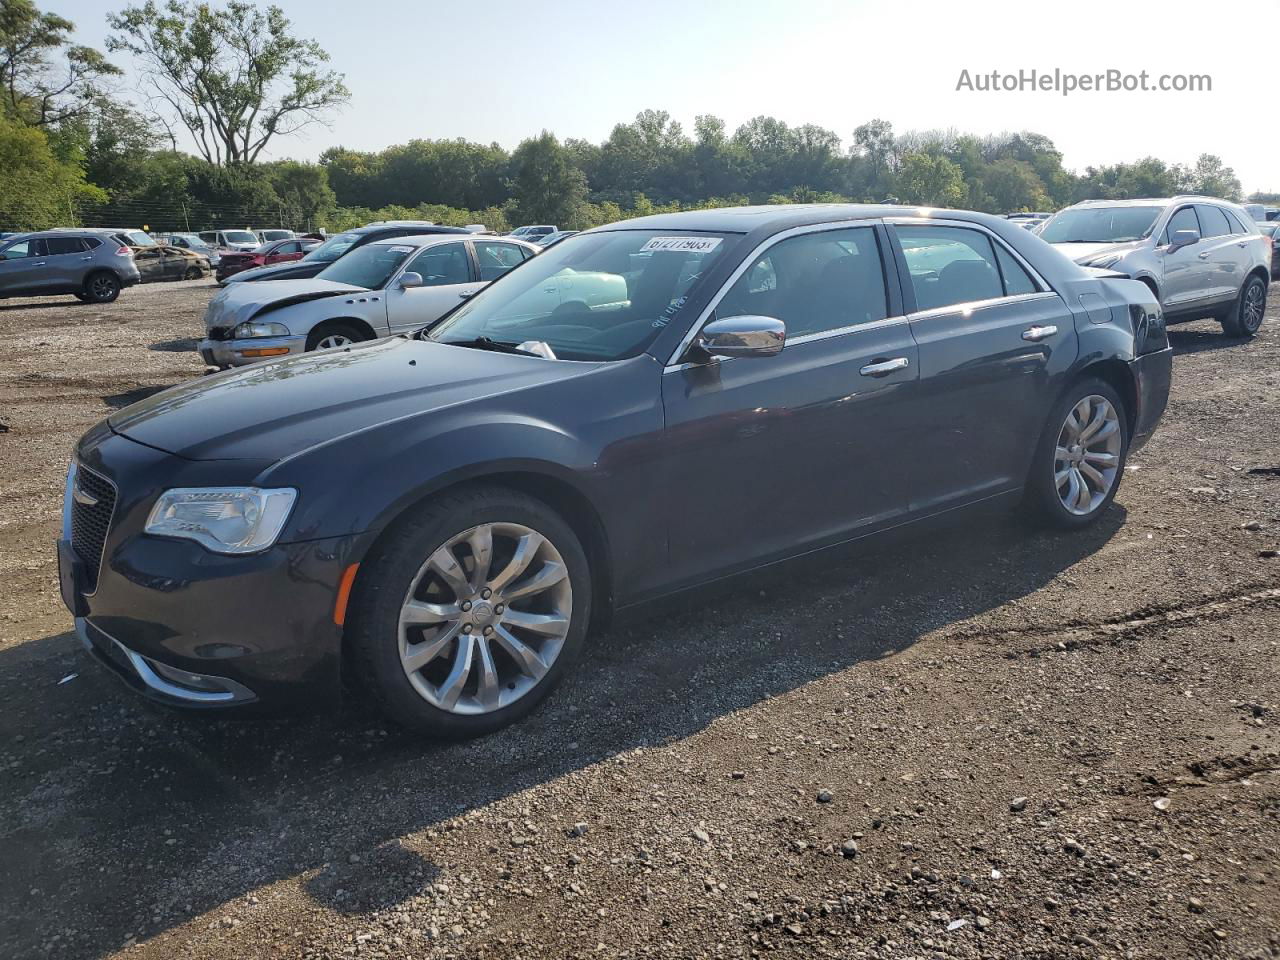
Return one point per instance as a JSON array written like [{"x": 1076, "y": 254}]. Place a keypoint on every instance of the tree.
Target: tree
[
  {"x": 1212, "y": 179},
  {"x": 233, "y": 76},
  {"x": 1013, "y": 185},
  {"x": 304, "y": 192},
  {"x": 547, "y": 187},
  {"x": 930, "y": 180},
  {"x": 37, "y": 190},
  {"x": 36, "y": 90}
]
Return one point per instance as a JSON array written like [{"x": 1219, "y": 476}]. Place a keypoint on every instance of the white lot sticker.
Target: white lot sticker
[
  {"x": 682, "y": 244},
  {"x": 402, "y": 249}
]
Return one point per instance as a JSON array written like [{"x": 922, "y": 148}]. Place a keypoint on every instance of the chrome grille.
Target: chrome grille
[{"x": 90, "y": 520}]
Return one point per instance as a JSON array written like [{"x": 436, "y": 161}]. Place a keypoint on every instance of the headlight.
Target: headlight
[
  {"x": 222, "y": 519},
  {"x": 1106, "y": 261},
  {"x": 250, "y": 329}
]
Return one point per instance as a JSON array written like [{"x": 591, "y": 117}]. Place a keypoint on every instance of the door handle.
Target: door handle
[
  {"x": 1242, "y": 243},
  {"x": 38, "y": 263},
  {"x": 1036, "y": 334},
  {"x": 1203, "y": 256},
  {"x": 86, "y": 258},
  {"x": 882, "y": 368}
]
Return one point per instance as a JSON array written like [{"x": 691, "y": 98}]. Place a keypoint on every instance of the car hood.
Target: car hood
[
  {"x": 290, "y": 270},
  {"x": 1083, "y": 253},
  {"x": 238, "y": 302},
  {"x": 269, "y": 411}
]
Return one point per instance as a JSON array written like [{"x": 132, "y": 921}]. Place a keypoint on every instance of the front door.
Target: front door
[
  {"x": 770, "y": 455},
  {"x": 20, "y": 268},
  {"x": 447, "y": 277},
  {"x": 1187, "y": 274},
  {"x": 995, "y": 346}
]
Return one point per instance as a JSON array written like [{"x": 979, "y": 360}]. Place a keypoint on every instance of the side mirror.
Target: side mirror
[
  {"x": 1183, "y": 238},
  {"x": 743, "y": 336},
  {"x": 410, "y": 280}
]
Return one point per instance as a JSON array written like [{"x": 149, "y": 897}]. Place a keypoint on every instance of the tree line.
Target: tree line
[{"x": 233, "y": 80}]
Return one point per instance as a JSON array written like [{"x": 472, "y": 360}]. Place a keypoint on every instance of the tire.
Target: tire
[
  {"x": 404, "y": 570},
  {"x": 1244, "y": 317},
  {"x": 332, "y": 336},
  {"x": 82, "y": 297},
  {"x": 101, "y": 287},
  {"x": 1050, "y": 485},
  {"x": 193, "y": 273}
]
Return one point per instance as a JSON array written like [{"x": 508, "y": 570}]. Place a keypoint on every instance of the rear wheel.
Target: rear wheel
[
  {"x": 471, "y": 612},
  {"x": 1244, "y": 317},
  {"x": 1080, "y": 459},
  {"x": 193, "y": 273},
  {"x": 332, "y": 336},
  {"x": 101, "y": 287}
]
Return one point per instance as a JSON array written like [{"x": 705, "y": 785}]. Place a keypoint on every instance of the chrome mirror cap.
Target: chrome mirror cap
[
  {"x": 743, "y": 336},
  {"x": 410, "y": 279}
]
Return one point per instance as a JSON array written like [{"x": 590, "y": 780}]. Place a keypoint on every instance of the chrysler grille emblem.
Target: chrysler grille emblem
[{"x": 83, "y": 498}]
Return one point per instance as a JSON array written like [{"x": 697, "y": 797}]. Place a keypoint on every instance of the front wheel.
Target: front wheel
[
  {"x": 334, "y": 336},
  {"x": 1244, "y": 317},
  {"x": 1081, "y": 456},
  {"x": 470, "y": 613}
]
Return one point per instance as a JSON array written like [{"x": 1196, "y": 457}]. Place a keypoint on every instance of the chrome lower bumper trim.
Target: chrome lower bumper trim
[{"x": 149, "y": 672}]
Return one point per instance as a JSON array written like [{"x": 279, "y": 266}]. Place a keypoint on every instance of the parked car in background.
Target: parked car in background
[
  {"x": 548, "y": 239},
  {"x": 270, "y": 236},
  {"x": 91, "y": 264},
  {"x": 440, "y": 518},
  {"x": 130, "y": 237},
  {"x": 1202, "y": 257},
  {"x": 164, "y": 262},
  {"x": 478, "y": 228},
  {"x": 339, "y": 244},
  {"x": 277, "y": 251},
  {"x": 1271, "y": 230},
  {"x": 192, "y": 242},
  {"x": 231, "y": 239},
  {"x": 378, "y": 289},
  {"x": 532, "y": 233}
]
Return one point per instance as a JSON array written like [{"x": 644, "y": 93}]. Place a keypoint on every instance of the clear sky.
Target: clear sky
[{"x": 501, "y": 70}]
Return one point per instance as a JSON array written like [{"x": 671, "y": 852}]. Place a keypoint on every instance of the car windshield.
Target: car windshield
[
  {"x": 1100, "y": 225},
  {"x": 239, "y": 236},
  {"x": 594, "y": 296},
  {"x": 137, "y": 238},
  {"x": 333, "y": 248},
  {"x": 275, "y": 235},
  {"x": 370, "y": 266}
]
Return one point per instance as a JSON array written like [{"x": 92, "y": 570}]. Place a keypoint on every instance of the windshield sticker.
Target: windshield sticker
[
  {"x": 667, "y": 314},
  {"x": 682, "y": 244},
  {"x": 398, "y": 248}
]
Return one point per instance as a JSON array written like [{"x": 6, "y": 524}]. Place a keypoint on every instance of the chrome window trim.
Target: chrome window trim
[
  {"x": 673, "y": 360},
  {"x": 971, "y": 306},
  {"x": 1036, "y": 276}
]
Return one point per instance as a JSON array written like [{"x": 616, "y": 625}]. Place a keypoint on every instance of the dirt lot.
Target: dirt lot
[{"x": 990, "y": 742}]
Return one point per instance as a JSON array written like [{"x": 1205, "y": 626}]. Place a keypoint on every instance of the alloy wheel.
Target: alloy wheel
[
  {"x": 334, "y": 340},
  {"x": 102, "y": 286},
  {"x": 1087, "y": 458},
  {"x": 1254, "y": 305},
  {"x": 485, "y": 618}
]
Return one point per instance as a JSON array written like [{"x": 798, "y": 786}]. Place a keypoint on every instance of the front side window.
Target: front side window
[
  {"x": 1213, "y": 222},
  {"x": 18, "y": 250},
  {"x": 1100, "y": 225},
  {"x": 370, "y": 266},
  {"x": 441, "y": 265},
  {"x": 1184, "y": 219},
  {"x": 813, "y": 282},
  {"x": 495, "y": 258},
  {"x": 603, "y": 295},
  {"x": 949, "y": 265}
]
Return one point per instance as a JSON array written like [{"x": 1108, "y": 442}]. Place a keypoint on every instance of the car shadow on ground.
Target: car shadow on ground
[
  {"x": 180, "y": 345},
  {"x": 144, "y": 818},
  {"x": 48, "y": 303},
  {"x": 1186, "y": 340},
  {"x": 117, "y": 401}
]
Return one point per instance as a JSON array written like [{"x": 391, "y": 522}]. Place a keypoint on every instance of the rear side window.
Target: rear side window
[
  {"x": 814, "y": 282},
  {"x": 1184, "y": 219},
  {"x": 1237, "y": 222},
  {"x": 442, "y": 265},
  {"x": 57, "y": 246},
  {"x": 1016, "y": 278},
  {"x": 91, "y": 243},
  {"x": 949, "y": 265},
  {"x": 495, "y": 259},
  {"x": 1213, "y": 222}
]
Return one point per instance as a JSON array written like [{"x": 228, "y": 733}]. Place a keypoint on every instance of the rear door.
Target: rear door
[
  {"x": 447, "y": 276},
  {"x": 64, "y": 260},
  {"x": 1223, "y": 251},
  {"x": 995, "y": 344}
]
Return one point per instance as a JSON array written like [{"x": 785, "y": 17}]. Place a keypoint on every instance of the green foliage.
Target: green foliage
[
  {"x": 546, "y": 186},
  {"x": 36, "y": 188},
  {"x": 930, "y": 180},
  {"x": 233, "y": 75}
]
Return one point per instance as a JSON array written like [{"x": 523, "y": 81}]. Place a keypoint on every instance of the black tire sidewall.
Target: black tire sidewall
[
  {"x": 1042, "y": 491},
  {"x": 384, "y": 580},
  {"x": 93, "y": 278},
  {"x": 329, "y": 329},
  {"x": 1233, "y": 325}
]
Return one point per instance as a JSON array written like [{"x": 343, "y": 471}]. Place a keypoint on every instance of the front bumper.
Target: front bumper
[
  {"x": 190, "y": 628},
  {"x": 1152, "y": 377},
  {"x": 237, "y": 353}
]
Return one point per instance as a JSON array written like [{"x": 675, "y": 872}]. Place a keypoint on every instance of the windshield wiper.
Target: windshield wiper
[{"x": 487, "y": 343}]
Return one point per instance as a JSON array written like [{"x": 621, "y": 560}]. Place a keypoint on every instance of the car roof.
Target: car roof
[
  {"x": 391, "y": 225},
  {"x": 775, "y": 217},
  {"x": 427, "y": 240}
]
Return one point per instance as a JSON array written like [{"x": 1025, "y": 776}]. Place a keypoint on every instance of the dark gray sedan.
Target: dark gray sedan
[{"x": 440, "y": 517}]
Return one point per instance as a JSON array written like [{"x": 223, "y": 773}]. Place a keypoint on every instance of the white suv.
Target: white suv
[{"x": 1201, "y": 257}]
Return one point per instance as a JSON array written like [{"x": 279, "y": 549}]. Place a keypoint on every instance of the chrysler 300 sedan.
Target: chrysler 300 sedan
[{"x": 438, "y": 517}]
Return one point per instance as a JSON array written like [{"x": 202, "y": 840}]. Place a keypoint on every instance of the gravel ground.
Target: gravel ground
[{"x": 990, "y": 742}]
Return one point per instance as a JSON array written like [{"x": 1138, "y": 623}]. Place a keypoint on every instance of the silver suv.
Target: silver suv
[
  {"x": 1201, "y": 257},
  {"x": 94, "y": 265}
]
